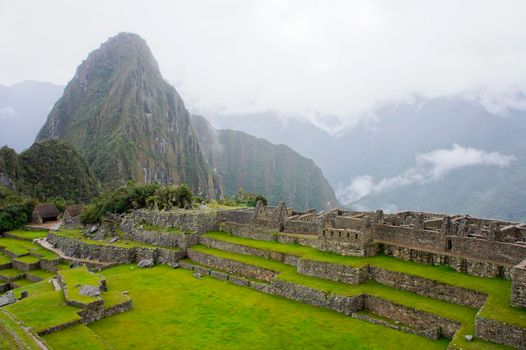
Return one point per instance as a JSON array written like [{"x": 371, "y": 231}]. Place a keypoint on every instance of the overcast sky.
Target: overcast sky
[{"x": 302, "y": 57}]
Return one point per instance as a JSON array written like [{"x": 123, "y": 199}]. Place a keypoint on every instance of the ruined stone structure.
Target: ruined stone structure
[{"x": 484, "y": 248}]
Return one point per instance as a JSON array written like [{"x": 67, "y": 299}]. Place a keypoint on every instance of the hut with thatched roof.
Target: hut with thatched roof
[{"x": 44, "y": 213}]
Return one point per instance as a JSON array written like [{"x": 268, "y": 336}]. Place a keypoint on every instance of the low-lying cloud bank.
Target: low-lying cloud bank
[{"x": 431, "y": 166}]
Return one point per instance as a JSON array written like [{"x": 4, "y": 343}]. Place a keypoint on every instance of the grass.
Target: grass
[
  {"x": 28, "y": 259},
  {"x": 4, "y": 259},
  {"x": 20, "y": 248},
  {"x": 34, "y": 289},
  {"x": 22, "y": 283},
  {"x": 173, "y": 309},
  {"x": 45, "y": 275},
  {"x": 43, "y": 311},
  {"x": 27, "y": 235},
  {"x": 12, "y": 336},
  {"x": 76, "y": 337},
  {"x": 497, "y": 306},
  {"x": 78, "y": 235},
  {"x": 74, "y": 279},
  {"x": 10, "y": 273},
  {"x": 464, "y": 315}
]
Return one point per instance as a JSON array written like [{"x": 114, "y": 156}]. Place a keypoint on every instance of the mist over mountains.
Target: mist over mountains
[{"x": 455, "y": 155}]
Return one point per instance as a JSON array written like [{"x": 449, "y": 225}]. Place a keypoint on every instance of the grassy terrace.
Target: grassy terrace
[
  {"x": 36, "y": 288},
  {"x": 174, "y": 310},
  {"x": 9, "y": 273},
  {"x": 28, "y": 259},
  {"x": 4, "y": 259},
  {"x": 78, "y": 235},
  {"x": 462, "y": 314},
  {"x": 76, "y": 337},
  {"x": 496, "y": 307},
  {"x": 21, "y": 247},
  {"x": 73, "y": 279},
  {"x": 27, "y": 235},
  {"x": 43, "y": 311},
  {"x": 12, "y": 336}
]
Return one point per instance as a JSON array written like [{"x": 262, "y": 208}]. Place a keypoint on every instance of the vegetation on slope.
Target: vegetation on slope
[
  {"x": 127, "y": 122},
  {"x": 276, "y": 171}
]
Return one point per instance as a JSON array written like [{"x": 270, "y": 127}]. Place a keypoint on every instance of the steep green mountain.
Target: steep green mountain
[
  {"x": 128, "y": 122},
  {"x": 48, "y": 169},
  {"x": 256, "y": 165}
]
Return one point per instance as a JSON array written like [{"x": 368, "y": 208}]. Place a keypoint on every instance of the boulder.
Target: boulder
[
  {"x": 114, "y": 239},
  {"x": 468, "y": 337},
  {"x": 145, "y": 263},
  {"x": 7, "y": 298},
  {"x": 92, "y": 229},
  {"x": 174, "y": 265},
  {"x": 89, "y": 291},
  {"x": 198, "y": 275}
]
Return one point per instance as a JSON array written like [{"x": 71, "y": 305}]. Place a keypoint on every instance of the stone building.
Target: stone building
[
  {"x": 71, "y": 216},
  {"x": 44, "y": 213}
]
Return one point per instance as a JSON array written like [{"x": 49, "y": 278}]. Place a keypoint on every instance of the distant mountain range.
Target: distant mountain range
[
  {"x": 451, "y": 155},
  {"x": 129, "y": 124},
  {"x": 448, "y": 155}
]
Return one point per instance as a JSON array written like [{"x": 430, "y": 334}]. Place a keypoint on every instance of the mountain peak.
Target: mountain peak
[{"x": 127, "y": 121}]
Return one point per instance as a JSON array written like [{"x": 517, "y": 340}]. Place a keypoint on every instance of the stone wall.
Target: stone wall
[
  {"x": 232, "y": 266},
  {"x": 242, "y": 249},
  {"x": 187, "y": 220},
  {"x": 248, "y": 231},
  {"x": 306, "y": 295},
  {"x": 408, "y": 236},
  {"x": 473, "y": 267},
  {"x": 501, "y": 333},
  {"x": 166, "y": 239},
  {"x": 298, "y": 226},
  {"x": 428, "y": 287},
  {"x": 108, "y": 253},
  {"x": 411, "y": 317},
  {"x": 333, "y": 272},
  {"x": 507, "y": 253},
  {"x": 241, "y": 216},
  {"x": 518, "y": 285}
]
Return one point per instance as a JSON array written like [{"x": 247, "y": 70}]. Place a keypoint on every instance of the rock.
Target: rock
[
  {"x": 468, "y": 337},
  {"x": 198, "y": 275},
  {"x": 89, "y": 291},
  {"x": 24, "y": 294},
  {"x": 125, "y": 292},
  {"x": 114, "y": 239},
  {"x": 145, "y": 263},
  {"x": 7, "y": 298},
  {"x": 92, "y": 229},
  {"x": 174, "y": 265}
]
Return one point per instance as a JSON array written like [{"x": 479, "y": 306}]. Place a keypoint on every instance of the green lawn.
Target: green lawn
[
  {"x": 74, "y": 279},
  {"x": 43, "y": 311},
  {"x": 20, "y": 247},
  {"x": 28, "y": 235},
  {"x": 4, "y": 259},
  {"x": 77, "y": 337},
  {"x": 174, "y": 310},
  {"x": 28, "y": 259},
  {"x": 34, "y": 289},
  {"x": 462, "y": 314},
  {"x": 497, "y": 306},
  {"x": 12, "y": 336}
]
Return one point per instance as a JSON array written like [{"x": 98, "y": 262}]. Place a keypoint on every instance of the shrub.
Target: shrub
[
  {"x": 249, "y": 199},
  {"x": 171, "y": 196},
  {"x": 15, "y": 210},
  {"x": 130, "y": 196}
]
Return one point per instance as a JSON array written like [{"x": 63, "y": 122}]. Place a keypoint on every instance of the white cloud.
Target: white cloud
[
  {"x": 302, "y": 57},
  {"x": 431, "y": 166},
  {"x": 7, "y": 112}
]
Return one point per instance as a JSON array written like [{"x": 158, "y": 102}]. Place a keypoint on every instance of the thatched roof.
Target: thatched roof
[
  {"x": 46, "y": 211},
  {"x": 74, "y": 210}
]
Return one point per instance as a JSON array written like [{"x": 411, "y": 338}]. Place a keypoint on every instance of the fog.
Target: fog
[{"x": 308, "y": 59}]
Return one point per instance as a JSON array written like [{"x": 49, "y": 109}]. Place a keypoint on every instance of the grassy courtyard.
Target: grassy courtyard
[{"x": 173, "y": 309}]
